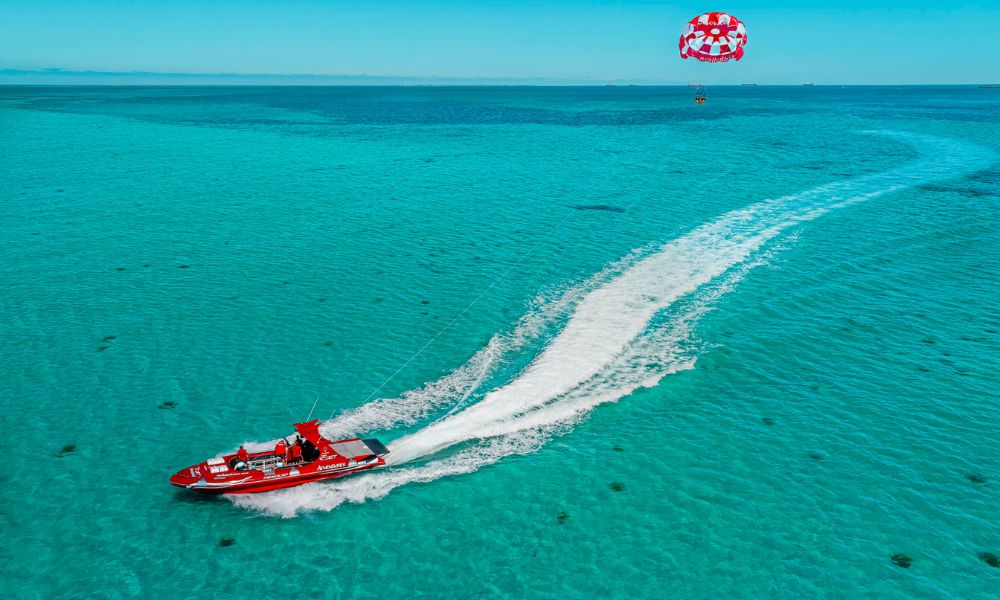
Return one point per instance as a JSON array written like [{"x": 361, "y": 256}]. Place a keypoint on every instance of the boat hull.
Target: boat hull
[
  {"x": 262, "y": 484},
  {"x": 319, "y": 460}
]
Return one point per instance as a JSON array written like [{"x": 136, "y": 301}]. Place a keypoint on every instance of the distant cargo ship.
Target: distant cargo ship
[{"x": 749, "y": 84}]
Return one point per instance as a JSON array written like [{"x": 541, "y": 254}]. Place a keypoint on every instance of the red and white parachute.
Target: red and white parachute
[{"x": 714, "y": 37}]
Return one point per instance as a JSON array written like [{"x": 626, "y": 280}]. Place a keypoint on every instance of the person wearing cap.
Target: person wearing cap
[{"x": 242, "y": 457}]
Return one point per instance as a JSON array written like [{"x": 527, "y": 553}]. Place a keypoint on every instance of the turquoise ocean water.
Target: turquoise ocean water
[{"x": 630, "y": 347}]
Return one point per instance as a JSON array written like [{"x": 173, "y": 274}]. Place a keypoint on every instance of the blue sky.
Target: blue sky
[{"x": 851, "y": 41}]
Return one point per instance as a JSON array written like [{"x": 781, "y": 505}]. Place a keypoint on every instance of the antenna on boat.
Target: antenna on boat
[{"x": 313, "y": 408}]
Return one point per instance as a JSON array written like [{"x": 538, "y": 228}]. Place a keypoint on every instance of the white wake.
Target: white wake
[{"x": 625, "y": 328}]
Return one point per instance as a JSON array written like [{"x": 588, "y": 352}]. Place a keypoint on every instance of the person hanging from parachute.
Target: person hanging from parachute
[{"x": 713, "y": 37}]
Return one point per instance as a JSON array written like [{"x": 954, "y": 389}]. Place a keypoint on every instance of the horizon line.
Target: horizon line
[{"x": 330, "y": 80}]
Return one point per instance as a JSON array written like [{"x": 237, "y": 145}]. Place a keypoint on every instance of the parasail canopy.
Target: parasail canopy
[{"x": 714, "y": 37}]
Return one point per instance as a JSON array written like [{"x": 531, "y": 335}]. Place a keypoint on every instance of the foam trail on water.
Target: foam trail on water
[
  {"x": 610, "y": 345},
  {"x": 457, "y": 386}
]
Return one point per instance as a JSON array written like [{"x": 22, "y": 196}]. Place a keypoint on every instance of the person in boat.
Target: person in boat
[
  {"x": 242, "y": 458},
  {"x": 295, "y": 453},
  {"x": 303, "y": 449},
  {"x": 280, "y": 451},
  {"x": 309, "y": 451}
]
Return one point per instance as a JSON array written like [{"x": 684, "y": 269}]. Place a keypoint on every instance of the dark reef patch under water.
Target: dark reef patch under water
[
  {"x": 67, "y": 449},
  {"x": 602, "y": 207},
  {"x": 901, "y": 560},
  {"x": 989, "y": 558},
  {"x": 969, "y": 191}
]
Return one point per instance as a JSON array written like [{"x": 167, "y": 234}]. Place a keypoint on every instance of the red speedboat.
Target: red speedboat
[{"x": 318, "y": 458}]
